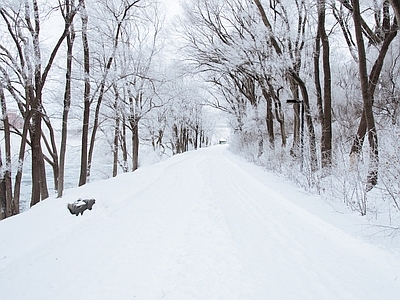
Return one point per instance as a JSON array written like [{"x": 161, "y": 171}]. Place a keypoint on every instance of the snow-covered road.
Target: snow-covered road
[{"x": 198, "y": 226}]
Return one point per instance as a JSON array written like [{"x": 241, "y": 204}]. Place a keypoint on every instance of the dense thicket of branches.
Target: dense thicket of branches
[
  {"x": 320, "y": 76},
  {"x": 258, "y": 54},
  {"x": 116, "y": 86}
]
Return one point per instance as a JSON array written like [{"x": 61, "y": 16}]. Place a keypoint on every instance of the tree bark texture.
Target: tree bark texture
[
  {"x": 115, "y": 147},
  {"x": 326, "y": 142},
  {"x": 367, "y": 99},
  {"x": 6, "y": 202},
  {"x": 86, "y": 96}
]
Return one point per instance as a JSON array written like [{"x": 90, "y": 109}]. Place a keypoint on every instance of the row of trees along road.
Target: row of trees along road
[
  {"x": 337, "y": 60},
  {"x": 257, "y": 54},
  {"x": 101, "y": 61}
]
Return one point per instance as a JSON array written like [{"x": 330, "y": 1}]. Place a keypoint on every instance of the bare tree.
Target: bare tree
[
  {"x": 293, "y": 75},
  {"x": 237, "y": 63},
  {"x": 69, "y": 5},
  {"x": 137, "y": 66},
  {"x": 23, "y": 26},
  {"x": 7, "y": 207},
  {"x": 326, "y": 142},
  {"x": 86, "y": 95},
  {"x": 117, "y": 135},
  {"x": 120, "y": 18},
  {"x": 3, "y": 196},
  {"x": 368, "y": 84}
]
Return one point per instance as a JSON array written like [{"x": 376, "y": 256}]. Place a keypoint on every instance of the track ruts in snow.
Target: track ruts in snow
[{"x": 198, "y": 226}]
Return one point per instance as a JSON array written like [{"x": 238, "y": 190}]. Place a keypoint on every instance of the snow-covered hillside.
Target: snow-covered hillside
[{"x": 201, "y": 225}]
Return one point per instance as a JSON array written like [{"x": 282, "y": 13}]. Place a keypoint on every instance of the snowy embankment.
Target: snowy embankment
[{"x": 202, "y": 225}]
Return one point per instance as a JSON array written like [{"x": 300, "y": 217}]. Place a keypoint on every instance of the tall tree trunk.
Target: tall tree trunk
[
  {"x": 317, "y": 77},
  {"x": 309, "y": 121},
  {"x": 116, "y": 132},
  {"x": 3, "y": 196},
  {"x": 279, "y": 115},
  {"x": 5, "y": 171},
  {"x": 369, "y": 83},
  {"x": 67, "y": 104},
  {"x": 367, "y": 99},
  {"x": 373, "y": 80},
  {"x": 51, "y": 149},
  {"x": 134, "y": 125},
  {"x": 86, "y": 96},
  {"x": 186, "y": 139},
  {"x": 124, "y": 146},
  {"x": 196, "y": 136},
  {"x": 281, "y": 120},
  {"x": 37, "y": 158},
  {"x": 39, "y": 181},
  {"x": 175, "y": 144},
  {"x": 326, "y": 143},
  {"x": 21, "y": 158},
  {"x": 269, "y": 119},
  {"x": 160, "y": 138},
  {"x": 116, "y": 147},
  {"x": 294, "y": 87},
  {"x": 103, "y": 83},
  {"x": 135, "y": 144},
  {"x": 182, "y": 136},
  {"x": 94, "y": 130}
]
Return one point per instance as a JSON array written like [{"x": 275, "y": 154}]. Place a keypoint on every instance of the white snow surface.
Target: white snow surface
[{"x": 201, "y": 225}]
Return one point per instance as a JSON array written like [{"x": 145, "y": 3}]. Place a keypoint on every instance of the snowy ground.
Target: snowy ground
[{"x": 201, "y": 225}]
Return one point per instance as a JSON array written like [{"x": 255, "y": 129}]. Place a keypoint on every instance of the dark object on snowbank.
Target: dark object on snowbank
[{"x": 80, "y": 205}]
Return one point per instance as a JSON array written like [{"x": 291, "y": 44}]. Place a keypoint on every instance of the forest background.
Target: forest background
[{"x": 310, "y": 90}]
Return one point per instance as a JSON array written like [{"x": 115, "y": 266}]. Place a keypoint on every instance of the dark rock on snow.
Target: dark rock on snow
[{"x": 80, "y": 205}]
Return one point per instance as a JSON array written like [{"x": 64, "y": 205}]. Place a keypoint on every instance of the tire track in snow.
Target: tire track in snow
[
  {"x": 194, "y": 227},
  {"x": 179, "y": 238},
  {"x": 294, "y": 248}
]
